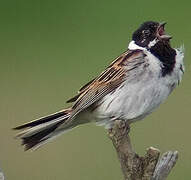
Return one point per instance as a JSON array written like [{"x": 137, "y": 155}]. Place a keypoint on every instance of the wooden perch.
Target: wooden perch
[{"x": 135, "y": 167}]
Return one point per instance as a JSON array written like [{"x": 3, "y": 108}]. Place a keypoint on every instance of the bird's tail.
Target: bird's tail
[{"x": 38, "y": 132}]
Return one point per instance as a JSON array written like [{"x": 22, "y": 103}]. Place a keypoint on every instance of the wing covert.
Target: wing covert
[{"x": 108, "y": 80}]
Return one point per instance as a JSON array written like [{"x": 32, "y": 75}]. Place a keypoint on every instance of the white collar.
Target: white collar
[{"x": 133, "y": 46}]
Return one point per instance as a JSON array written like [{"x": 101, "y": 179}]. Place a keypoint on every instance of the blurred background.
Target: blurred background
[{"x": 48, "y": 49}]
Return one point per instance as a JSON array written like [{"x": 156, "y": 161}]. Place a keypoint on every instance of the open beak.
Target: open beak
[{"x": 161, "y": 32}]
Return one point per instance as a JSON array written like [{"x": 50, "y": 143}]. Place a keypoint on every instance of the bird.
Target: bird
[{"x": 129, "y": 89}]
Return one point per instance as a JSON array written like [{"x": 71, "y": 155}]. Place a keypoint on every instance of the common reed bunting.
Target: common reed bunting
[{"x": 129, "y": 89}]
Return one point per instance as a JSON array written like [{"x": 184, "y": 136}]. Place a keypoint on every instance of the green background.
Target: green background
[{"x": 48, "y": 49}]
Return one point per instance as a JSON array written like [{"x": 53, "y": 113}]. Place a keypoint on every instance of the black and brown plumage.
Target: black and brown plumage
[{"x": 130, "y": 88}]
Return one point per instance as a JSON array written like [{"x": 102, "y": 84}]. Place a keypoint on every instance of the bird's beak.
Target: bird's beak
[{"x": 161, "y": 32}]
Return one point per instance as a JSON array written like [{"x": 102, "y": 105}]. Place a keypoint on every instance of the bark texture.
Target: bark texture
[{"x": 135, "y": 167}]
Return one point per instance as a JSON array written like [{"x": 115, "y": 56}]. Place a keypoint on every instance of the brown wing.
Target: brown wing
[
  {"x": 81, "y": 89},
  {"x": 108, "y": 81}
]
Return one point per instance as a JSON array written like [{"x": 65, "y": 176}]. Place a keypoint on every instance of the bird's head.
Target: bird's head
[{"x": 149, "y": 33}]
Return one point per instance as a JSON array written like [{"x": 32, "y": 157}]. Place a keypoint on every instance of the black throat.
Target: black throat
[{"x": 166, "y": 55}]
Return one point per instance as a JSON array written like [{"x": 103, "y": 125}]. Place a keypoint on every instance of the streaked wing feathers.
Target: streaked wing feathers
[{"x": 108, "y": 81}]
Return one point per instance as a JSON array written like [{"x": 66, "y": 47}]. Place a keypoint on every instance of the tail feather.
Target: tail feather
[
  {"x": 38, "y": 132},
  {"x": 42, "y": 120},
  {"x": 34, "y": 140}
]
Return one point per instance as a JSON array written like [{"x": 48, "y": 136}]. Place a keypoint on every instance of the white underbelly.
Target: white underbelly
[{"x": 133, "y": 101}]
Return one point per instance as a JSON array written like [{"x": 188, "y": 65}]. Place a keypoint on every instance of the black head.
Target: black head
[{"x": 148, "y": 32}]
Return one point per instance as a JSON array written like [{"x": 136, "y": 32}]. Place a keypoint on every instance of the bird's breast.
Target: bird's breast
[{"x": 134, "y": 99}]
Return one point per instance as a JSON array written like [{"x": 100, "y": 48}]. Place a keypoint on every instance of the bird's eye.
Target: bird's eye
[{"x": 146, "y": 32}]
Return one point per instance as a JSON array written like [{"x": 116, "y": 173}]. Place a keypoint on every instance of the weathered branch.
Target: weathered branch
[
  {"x": 135, "y": 167},
  {"x": 164, "y": 165}
]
